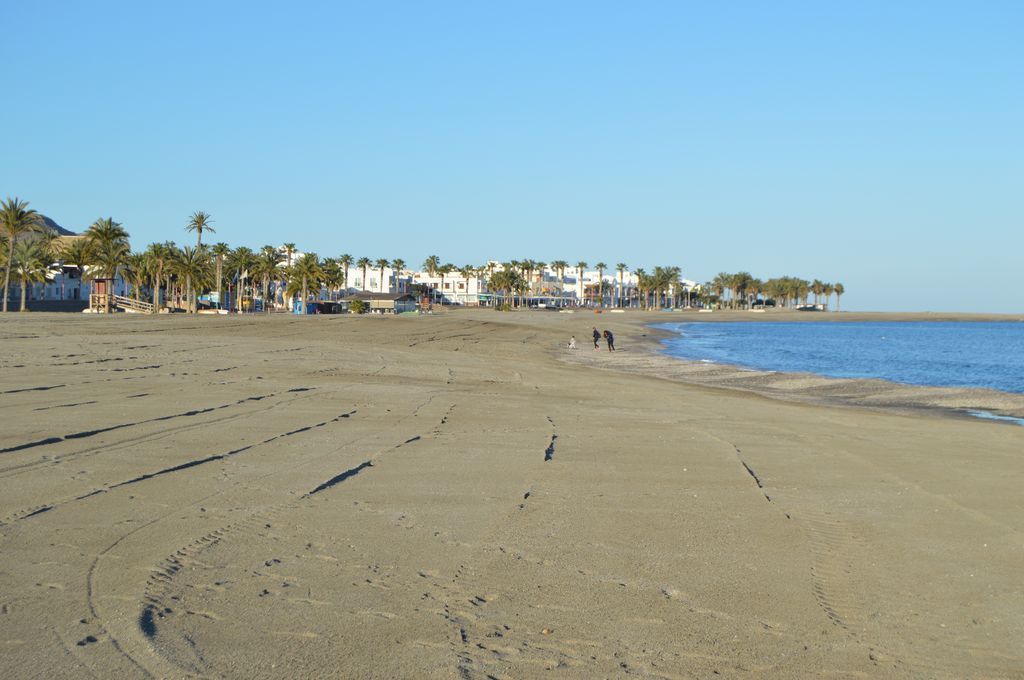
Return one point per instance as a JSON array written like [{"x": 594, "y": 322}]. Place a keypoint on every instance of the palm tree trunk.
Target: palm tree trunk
[
  {"x": 188, "y": 294},
  {"x": 24, "y": 285},
  {"x": 7, "y": 273},
  {"x": 220, "y": 272},
  {"x": 156, "y": 291}
]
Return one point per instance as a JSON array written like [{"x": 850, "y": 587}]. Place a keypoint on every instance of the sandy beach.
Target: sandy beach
[{"x": 459, "y": 496}]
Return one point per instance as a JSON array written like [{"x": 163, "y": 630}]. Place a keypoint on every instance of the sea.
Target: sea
[{"x": 938, "y": 353}]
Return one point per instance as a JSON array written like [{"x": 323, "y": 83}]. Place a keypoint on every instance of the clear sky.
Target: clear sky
[{"x": 880, "y": 144}]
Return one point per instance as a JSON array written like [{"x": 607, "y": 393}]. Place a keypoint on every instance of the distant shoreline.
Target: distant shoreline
[
  {"x": 730, "y": 315},
  {"x": 807, "y": 387}
]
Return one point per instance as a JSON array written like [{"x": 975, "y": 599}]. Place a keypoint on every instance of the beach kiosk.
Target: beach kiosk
[{"x": 101, "y": 298}]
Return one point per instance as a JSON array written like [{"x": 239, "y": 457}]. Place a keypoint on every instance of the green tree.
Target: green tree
[
  {"x": 580, "y": 266},
  {"x": 621, "y": 268},
  {"x": 267, "y": 267},
  {"x": 600, "y": 267},
  {"x": 30, "y": 266},
  {"x": 839, "y": 289},
  {"x": 220, "y": 250},
  {"x": 398, "y": 265},
  {"x": 239, "y": 262},
  {"x": 364, "y": 264},
  {"x": 444, "y": 270},
  {"x": 108, "y": 244},
  {"x": 431, "y": 265},
  {"x": 306, "y": 271},
  {"x": 200, "y": 222},
  {"x": 50, "y": 244},
  {"x": 331, "y": 277},
  {"x": 77, "y": 254},
  {"x": 467, "y": 272},
  {"x": 16, "y": 220},
  {"x": 827, "y": 289},
  {"x": 158, "y": 256},
  {"x": 817, "y": 287},
  {"x": 507, "y": 282},
  {"x": 559, "y": 267},
  {"x": 382, "y": 264},
  {"x": 345, "y": 261},
  {"x": 135, "y": 273},
  {"x": 193, "y": 265}
]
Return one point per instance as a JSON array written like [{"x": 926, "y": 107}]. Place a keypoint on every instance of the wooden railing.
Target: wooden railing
[
  {"x": 131, "y": 304},
  {"x": 98, "y": 302}
]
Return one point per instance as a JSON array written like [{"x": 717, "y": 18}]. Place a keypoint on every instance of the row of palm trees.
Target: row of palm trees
[
  {"x": 742, "y": 290},
  {"x": 181, "y": 273},
  {"x": 29, "y": 250}
]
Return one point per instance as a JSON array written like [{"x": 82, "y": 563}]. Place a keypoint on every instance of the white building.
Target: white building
[
  {"x": 393, "y": 281},
  {"x": 454, "y": 288}
]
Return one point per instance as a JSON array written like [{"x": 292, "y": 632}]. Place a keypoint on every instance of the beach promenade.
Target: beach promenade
[{"x": 459, "y": 496}]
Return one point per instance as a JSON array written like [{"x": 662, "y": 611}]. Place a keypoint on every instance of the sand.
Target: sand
[{"x": 458, "y": 496}]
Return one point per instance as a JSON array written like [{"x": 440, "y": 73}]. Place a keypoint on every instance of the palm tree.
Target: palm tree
[
  {"x": 364, "y": 264},
  {"x": 30, "y": 266},
  {"x": 307, "y": 270},
  {"x": 345, "y": 261},
  {"x": 135, "y": 273},
  {"x": 381, "y": 264},
  {"x": 580, "y": 266},
  {"x": 220, "y": 250},
  {"x": 200, "y": 222},
  {"x": 78, "y": 254},
  {"x": 16, "y": 220},
  {"x": 444, "y": 270},
  {"x": 192, "y": 264},
  {"x": 507, "y": 282},
  {"x": 398, "y": 265},
  {"x": 817, "y": 287},
  {"x": 267, "y": 266},
  {"x": 467, "y": 272},
  {"x": 431, "y": 265},
  {"x": 333, "y": 277},
  {"x": 289, "y": 250},
  {"x": 108, "y": 242},
  {"x": 50, "y": 245},
  {"x": 559, "y": 267},
  {"x": 839, "y": 290},
  {"x": 239, "y": 262},
  {"x": 600, "y": 266},
  {"x": 158, "y": 256},
  {"x": 828, "y": 289},
  {"x": 621, "y": 268}
]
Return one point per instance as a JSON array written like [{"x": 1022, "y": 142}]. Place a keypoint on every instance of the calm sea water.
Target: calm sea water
[{"x": 962, "y": 354}]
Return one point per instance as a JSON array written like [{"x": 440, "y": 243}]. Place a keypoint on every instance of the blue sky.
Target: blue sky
[{"x": 880, "y": 144}]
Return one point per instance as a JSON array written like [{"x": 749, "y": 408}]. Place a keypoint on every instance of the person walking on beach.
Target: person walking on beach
[
  {"x": 572, "y": 342},
  {"x": 597, "y": 339},
  {"x": 610, "y": 339}
]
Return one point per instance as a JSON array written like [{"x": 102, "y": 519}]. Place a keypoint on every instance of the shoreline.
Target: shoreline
[
  {"x": 971, "y": 403},
  {"x": 787, "y": 315}
]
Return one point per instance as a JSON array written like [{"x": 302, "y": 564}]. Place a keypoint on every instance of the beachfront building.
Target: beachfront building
[
  {"x": 393, "y": 281},
  {"x": 454, "y": 288},
  {"x": 386, "y": 303},
  {"x": 595, "y": 290}
]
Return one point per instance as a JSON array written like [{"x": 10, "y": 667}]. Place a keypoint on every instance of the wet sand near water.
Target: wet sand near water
[{"x": 458, "y": 495}]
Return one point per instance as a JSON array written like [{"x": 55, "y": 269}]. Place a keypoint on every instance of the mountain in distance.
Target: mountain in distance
[{"x": 61, "y": 231}]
